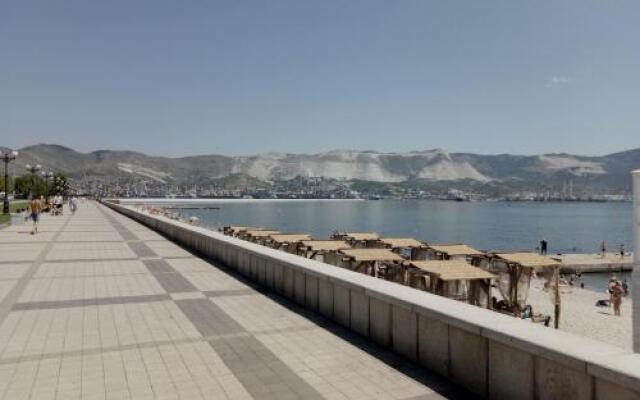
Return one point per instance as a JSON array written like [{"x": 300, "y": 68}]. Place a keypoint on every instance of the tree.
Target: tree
[
  {"x": 59, "y": 185},
  {"x": 26, "y": 182},
  {"x": 2, "y": 184}
]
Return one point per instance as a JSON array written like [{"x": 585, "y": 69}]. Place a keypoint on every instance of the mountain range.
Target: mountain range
[{"x": 609, "y": 173}]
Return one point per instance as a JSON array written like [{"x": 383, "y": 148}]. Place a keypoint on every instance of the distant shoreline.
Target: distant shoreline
[
  {"x": 128, "y": 200},
  {"x": 219, "y": 200}
]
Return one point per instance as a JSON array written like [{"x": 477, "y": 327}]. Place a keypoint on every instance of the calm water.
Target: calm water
[{"x": 568, "y": 227}]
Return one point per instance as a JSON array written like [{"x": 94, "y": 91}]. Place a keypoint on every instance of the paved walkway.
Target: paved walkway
[{"x": 97, "y": 306}]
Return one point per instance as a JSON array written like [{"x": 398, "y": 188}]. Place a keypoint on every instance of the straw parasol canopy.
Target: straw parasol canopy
[
  {"x": 362, "y": 235},
  {"x": 289, "y": 237},
  {"x": 325, "y": 245},
  {"x": 397, "y": 243},
  {"x": 360, "y": 255},
  {"x": 455, "y": 249},
  {"x": 528, "y": 259},
  {"x": 450, "y": 270},
  {"x": 261, "y": 233},
  {"x": 244, "y": 228}
]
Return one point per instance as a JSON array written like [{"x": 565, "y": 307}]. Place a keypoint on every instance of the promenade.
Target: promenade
[{"x": 97, "y": 306}]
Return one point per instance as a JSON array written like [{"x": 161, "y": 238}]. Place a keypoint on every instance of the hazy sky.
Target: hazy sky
[{"x": 239, "y": 77}]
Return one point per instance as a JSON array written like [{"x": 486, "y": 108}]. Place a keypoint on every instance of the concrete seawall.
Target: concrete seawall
[{"x": 493, "y": 355}]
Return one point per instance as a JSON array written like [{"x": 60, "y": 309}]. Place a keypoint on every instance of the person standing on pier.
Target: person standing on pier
[
  {"x": 543, "y": 247},
  {"x": 603, "y": 248},
  {"x": 622, "y": 250}
]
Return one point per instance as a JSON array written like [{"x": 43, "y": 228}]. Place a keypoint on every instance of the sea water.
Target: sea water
[{"x": 568, "y": 227}]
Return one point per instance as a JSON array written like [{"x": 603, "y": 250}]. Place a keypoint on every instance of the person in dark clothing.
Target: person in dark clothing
[{"x": 543, "y": 246}]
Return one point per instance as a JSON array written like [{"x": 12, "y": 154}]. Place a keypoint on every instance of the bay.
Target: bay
[{"x": 568, "y": 227}]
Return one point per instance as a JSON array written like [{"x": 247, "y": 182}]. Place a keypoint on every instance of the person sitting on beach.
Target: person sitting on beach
[
  {"x": 617, "y": 298},
  {"x": 527, "y": 312}
]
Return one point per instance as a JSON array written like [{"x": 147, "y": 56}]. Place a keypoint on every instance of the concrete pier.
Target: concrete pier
[{"x": 586, "y": 263}]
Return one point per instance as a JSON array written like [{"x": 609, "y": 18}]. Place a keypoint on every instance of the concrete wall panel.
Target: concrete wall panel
[
  {"x": 404, "y": 325},
  {"x": 359, "y": 312},
  {"x": 278, "y": 277},
  {"x": 609, "y": 391},
  {"x": 510, "y": 373},
  {"x": 380, "y": 321},
  {"x": 325, "y": 298},
  {"x": 433, "y": 344},
  {"x": 311, "y": 292},
  {"x": 299, "y": 287},
  {"x": 468, "y": 357},
  {"x": 341, "y": 305},
  {"x": 288, "y": 282},
  {"x": 269, "y": 275},
  {"x": 556, "y": 381}
]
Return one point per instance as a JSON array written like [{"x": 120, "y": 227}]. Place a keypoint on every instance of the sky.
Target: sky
[{"x": 241, "y": 77}]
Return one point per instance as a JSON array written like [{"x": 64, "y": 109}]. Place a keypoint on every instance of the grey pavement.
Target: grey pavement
[{"x": 98, "y": 306}]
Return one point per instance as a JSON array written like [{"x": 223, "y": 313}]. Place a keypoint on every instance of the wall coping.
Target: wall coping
[{"x": 577, "y": 352}]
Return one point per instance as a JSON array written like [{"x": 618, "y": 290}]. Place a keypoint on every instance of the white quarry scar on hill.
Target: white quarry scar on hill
[
  {"x": 157, "y": 176},
  {"x": 358, "y": 165},
  {"x": 573, "y": 165}
]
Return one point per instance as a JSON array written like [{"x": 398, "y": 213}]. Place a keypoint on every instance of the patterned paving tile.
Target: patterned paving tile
[
  {"x": 89, "y": 237},
  {"x": 168, "y": 249},
  {"x": 46, "y": 331},
  {"x": 13, "y": 271},
  {"x": 90, "y": 287},
  {"x": 181, "y": 371},
  {"x": 89, "y": 251},
  {"x": 20, "y": 251},
  {"x": 90, "y": 268}
]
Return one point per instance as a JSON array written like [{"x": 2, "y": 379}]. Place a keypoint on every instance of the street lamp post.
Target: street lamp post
[
  {"x": 33, "y": 169},
  {"x": 47, "y": 175},
  {"x": 7, "y": 158}
]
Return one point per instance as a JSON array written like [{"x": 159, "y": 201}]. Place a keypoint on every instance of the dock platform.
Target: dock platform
[{"x": 587, "y": 263}]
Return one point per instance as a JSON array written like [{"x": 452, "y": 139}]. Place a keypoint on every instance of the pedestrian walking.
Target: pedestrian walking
[
  {"x": 35, "y": 208},
  {"x": 73, "y": 204}
]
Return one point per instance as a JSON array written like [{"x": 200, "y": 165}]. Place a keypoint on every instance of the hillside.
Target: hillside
[{"x": 609, "y": 173}]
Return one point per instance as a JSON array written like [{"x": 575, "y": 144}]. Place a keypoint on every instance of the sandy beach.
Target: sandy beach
[{"x": 580, "y": 315}]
